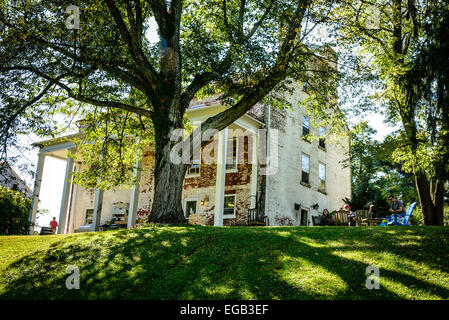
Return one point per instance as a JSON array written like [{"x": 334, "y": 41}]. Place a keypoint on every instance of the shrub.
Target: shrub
[
  {"x": 14, "y": 212},
  {"x": 416, "y": 218}
]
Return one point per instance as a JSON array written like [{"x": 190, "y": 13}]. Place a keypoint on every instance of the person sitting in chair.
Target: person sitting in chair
[
  {"x": 373, "y": 212},
  {"x": 396, "y": 206},
  {"x": 326, "y": 219},
  {"x": 351, "y": 215}
]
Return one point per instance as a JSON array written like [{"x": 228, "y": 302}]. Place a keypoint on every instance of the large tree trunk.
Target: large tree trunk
[
  {"x": 431, "y": 198},
  {"x": 168, "y": 174},
  {"x": 168, "y": 186},
  {"x": 168, "y": 116}
]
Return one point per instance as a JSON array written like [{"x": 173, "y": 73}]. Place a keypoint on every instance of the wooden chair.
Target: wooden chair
[
  {"x": 341, "y": 218},
  {"x": 257, "y": 217},
  {"x": 360, "y": 216}
]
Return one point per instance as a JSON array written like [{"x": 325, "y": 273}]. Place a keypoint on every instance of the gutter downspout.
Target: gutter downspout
[{"x": 267, "y": 156}]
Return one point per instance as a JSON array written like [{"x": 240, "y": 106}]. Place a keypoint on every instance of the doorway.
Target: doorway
[{"x": 304, "y": 218}]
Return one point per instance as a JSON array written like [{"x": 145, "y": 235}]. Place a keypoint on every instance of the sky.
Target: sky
[{"x": 54, "y": 169}]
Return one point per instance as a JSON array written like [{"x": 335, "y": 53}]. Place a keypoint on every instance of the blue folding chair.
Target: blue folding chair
[{"x": 401, "y": 219}]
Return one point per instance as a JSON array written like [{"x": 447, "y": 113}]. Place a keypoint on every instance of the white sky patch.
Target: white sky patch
[
  {"x": 376, "y": 120},
  {"x": 151, "y": 34},
  {"x": 51, "y": 189}
]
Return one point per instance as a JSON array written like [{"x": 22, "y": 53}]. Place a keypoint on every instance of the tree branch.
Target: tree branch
[
  {"x": 263, "y": 87},
  {"x": 134, "y": 49},
  {"x": 259, "y": 22},
  {"x": 79, "y": 97}
]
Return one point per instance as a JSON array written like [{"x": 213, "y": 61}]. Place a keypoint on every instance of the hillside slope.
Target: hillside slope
[{"x": 229, "y": 263}]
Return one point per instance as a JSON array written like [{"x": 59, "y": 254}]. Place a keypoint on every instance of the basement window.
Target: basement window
[
  {"x": 191, "y": 207},
  {"x": 229, "y": 206}
]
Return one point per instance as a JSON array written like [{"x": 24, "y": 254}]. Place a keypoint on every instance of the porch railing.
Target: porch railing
[{"x": 257, "y": 217}]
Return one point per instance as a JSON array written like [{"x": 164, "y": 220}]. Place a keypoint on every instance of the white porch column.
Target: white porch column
[
  {"x": 254, "y": 165},
  {"x": 220, "y": 177},
  {"x": 37, "y": 188},
  {"x": 65, "y": 194},
  {"x": 98, "y": 202},
  {"x": 134, "y": 195}
]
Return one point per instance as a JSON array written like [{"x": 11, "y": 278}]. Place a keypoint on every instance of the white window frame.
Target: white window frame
[
  {"x": 236, "y": 155},
  {"x": 85, "y": 215},
  {"x": 190, "y": 200},
  {"x": 322, "y": 136},
  {"x": 229, "y": 216},
  {"x": 325, "y": 176},
  {"x": 302, "y": 155},
  {"x": 197, "y": 106},
  {"x": 192, "y": 175},
  {"x": 303, "y": 125}
]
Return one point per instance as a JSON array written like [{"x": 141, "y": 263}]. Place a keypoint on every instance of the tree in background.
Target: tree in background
[
  {"x": 395, "y": 48},
  {"x": 374, "y": 173},
  {"x": 363, "y": 166},
  {"x": 14, "y": 212},
  {"x": 427, "y": 85}
]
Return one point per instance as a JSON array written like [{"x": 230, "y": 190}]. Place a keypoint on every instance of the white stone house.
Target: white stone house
[
  {"x": 300, "y": 179},
  {"x": 11, "y": 180}
]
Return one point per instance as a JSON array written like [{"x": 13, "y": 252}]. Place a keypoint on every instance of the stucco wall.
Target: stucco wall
[{"x": 284, "y": 188}]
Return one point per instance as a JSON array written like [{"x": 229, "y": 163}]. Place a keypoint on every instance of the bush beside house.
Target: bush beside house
[{"x": 14, "y": 212}]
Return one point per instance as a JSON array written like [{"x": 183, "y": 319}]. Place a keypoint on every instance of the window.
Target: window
[
  {"x": 305, "y": 165},
  {"x": 229, "y": 205},
  {"x": 322, "y": 176},
  {"x": 198, "y": 106},
  {"x": 191, "y": 207},
  {"x": 322, "y": 140},
  {"x": 231, "y": 154},
  {"x": 305, "y": 126},
  {"x": 194, "y": 168},
  {"x": 89, "y": 216}
]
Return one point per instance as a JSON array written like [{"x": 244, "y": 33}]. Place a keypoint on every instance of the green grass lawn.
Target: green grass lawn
[{"x": 229, "y": 263}]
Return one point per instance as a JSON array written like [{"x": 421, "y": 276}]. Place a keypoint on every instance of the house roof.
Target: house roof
[
  {"x": 9, "y": 178},
  {"x": 208, "y": 110}
]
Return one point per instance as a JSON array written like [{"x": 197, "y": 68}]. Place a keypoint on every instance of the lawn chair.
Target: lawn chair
[
  {"x": 401, "y": 219},
  {"x": 46, "y": 231},
  {"x": 341, "y": 218},
  {"x": 360, "y": 216}
]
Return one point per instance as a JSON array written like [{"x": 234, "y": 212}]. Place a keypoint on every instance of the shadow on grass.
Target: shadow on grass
[{"x": 228, "y": 263}]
